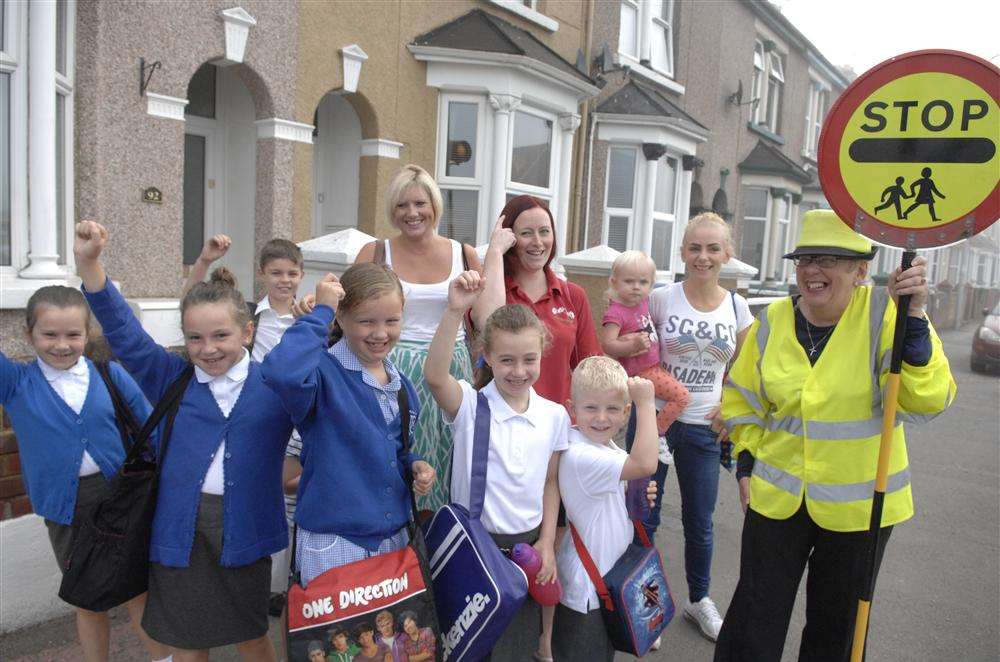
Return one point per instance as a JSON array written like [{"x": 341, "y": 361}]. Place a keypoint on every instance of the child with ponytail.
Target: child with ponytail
[{"x": 219, "y": 512}]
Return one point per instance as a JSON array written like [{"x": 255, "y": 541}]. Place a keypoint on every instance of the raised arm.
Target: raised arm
[
  {"x": 642, "y": 460},
  {"x": 152, "y": 366},
  {"x": 10, "y": 375},
  {"x": 214, "y": 249},
  {"x": 495, "y": 294},
  {"x": 462, "y": 294},
  {"x": 291, "y": 369}
]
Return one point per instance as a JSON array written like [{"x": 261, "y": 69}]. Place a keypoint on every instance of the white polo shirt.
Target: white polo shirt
[
  {"x": 520, "y": 448},
  {"x": 270, "y": 327},
  {"x": 594, "y": 496}
]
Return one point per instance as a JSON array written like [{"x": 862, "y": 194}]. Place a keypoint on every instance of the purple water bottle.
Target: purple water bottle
[{"x": 635, "y": 499}]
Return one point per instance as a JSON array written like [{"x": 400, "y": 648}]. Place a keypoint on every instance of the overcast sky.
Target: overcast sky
[{"x": 862, "y": 33}]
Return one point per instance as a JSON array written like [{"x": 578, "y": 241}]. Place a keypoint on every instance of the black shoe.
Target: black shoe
[{"x": 276, "y": 604}]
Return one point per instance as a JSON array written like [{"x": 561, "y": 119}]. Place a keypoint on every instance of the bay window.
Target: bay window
[
  {"x": 462, "y": 178},
  {"x": 619, "y": 206},
  {"x": 664, "y": 207},
  {"x": 754, "y": 234}
]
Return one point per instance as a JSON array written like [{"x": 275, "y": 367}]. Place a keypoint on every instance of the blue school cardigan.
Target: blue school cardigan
[
  {"x": 51, "y": 437},
  {"x": 352, "y": 462},
  {"x": 256, "y": 433}
]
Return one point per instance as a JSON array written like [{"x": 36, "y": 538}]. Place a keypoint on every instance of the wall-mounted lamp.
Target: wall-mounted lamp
[{"x": 145, "y": 74}]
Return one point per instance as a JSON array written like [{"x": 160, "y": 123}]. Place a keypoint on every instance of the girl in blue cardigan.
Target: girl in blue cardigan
[
  {"x": 343, "y": 401},
  {"x": 69, "y": 442},
  {"x": 219, "y": 511}
]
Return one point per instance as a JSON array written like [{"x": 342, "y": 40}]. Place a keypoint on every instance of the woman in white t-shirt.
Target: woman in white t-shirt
[{"x": 701, "y": 327}]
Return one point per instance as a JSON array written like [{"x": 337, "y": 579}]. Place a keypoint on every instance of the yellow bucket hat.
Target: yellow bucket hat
[{"x": 823, "y": 233}]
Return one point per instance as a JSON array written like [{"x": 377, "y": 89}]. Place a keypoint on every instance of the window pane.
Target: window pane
[
  {"x": 462, "y": 119},
  {"x": 777, "y": 69},
  {"x": 755, "y": 202},
  {"x": 458, "y": 219},
  {"x": 666, "y": 7},
  {"x": 666, "y": 186},
  {"x": 5, "y": 170},
  {"x": 758, "y": 56},
  {"x": 752, "y": 243},
  {"x": 627, "y": 34},
  {"x": 201, "y": 93},
  {"x": 621, "y": 177},
  {"x": 3, "y": 22},
  {"x": 61, "y": 37},
  {"x": 194, "y": 196},
  {"x": 662, "y": 246},
  {"x": 618, "y": 232},
  {"x": 662, "y": 49},
  {"x": 532, "y": 151},
  {"x": 61, "y": 177}
]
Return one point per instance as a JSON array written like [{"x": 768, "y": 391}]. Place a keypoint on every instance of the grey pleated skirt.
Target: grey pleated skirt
[
  {"x": 206, "y": 605},
  {"x": 90, "y": 491}
]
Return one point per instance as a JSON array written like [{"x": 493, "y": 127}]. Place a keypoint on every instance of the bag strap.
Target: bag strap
[
  {"x": 630, "y": 431},
  {"x": 591, "y": 568},
  {"x": 127, "y": 424},
  {"x": 166, "y": 407},
  {"x": 403, "y": 400},
  {"x": 480, "y": 456}
]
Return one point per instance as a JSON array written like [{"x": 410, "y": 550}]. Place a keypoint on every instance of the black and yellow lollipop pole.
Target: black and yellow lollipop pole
[{"x": 889, "y": 403}]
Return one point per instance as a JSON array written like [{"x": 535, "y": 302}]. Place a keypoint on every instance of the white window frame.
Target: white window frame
[
  {"x": 517, "y": 188},
  {"x": 664, "y": 217},
  {"x": 816, "y": 110},
  {"x": 528, "y": 10},
  {"x": 14, "y": 61},
  {"x": 479, "y": 182},
  {"x": 657, "y": 25},
  {"x": 781, "y": 268},
  {"x": 767, "y": 111},
  {"x": 765, "y": 252},
  {"x": 628, "y": 212},
  {"x": 648, "y": 23}
]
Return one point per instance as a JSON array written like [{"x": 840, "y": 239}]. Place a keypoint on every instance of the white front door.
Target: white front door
[
  {"x": 220, "y": 177},
  {"x": 336, "y": 163}
]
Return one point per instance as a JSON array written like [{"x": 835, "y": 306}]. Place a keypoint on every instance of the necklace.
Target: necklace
[{"x": 814, "y": 345}]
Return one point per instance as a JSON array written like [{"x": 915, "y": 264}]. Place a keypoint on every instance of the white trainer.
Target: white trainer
[
  {"x": 705, "y": 615},
  {"x": 665, "y": 456}
]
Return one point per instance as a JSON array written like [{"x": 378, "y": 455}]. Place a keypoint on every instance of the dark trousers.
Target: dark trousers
[{"x": 773, "y": 556}]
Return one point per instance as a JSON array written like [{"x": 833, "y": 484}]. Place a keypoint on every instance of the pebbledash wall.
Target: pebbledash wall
[{"x": 251, "y": 120}]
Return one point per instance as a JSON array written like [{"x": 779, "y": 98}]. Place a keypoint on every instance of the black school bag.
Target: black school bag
[{"x": 109, "y": 562}]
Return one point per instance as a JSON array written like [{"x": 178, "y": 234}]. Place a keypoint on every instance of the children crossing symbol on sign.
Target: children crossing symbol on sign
[
  {"x": 925, "y": 196},
  {"x": 893, "y": 195}
]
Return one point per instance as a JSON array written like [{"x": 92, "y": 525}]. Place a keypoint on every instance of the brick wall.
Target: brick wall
[{"x": 13, "y": 499}]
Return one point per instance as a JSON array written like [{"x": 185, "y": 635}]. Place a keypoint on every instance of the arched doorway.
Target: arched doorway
[
  {"x": 336, "y": 163},
  {"x": 220, "y": 183}
]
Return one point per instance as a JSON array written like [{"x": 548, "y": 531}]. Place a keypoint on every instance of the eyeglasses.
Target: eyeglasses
[{"x": 821, "y": 261}]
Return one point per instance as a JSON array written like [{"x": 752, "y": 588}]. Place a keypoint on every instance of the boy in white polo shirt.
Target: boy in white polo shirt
[{"x": 592, "y": 475}]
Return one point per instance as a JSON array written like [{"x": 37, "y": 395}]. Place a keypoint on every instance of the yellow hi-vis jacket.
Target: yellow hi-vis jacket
[{"x": 814, "y": 431}]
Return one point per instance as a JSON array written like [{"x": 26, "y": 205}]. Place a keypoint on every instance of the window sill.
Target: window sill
[
  {"x": 17, "y": 291},
  {"x": 809, "y": 156},
  {"x": 528, "y": 14},
  {"x": 762, "y": 130},
  {"x": 650, "y": 74}
]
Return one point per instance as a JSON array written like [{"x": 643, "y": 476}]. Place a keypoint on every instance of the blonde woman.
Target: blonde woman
[{"x": 425, "y": 263}]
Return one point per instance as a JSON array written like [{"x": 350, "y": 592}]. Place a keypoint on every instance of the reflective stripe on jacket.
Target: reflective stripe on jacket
[{"x": 814, "y": 431}]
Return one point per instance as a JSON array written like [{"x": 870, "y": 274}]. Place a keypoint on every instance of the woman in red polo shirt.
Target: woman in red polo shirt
[{"x": 517, "y": 271}]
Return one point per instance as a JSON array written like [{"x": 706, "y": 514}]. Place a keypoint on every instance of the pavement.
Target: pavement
[{"x": 938, "y": 596}]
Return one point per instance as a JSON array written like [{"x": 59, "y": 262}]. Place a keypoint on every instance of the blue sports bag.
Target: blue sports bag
[
  {"x": 635, "y": 599},
  {"x": 477, "y": 589}
]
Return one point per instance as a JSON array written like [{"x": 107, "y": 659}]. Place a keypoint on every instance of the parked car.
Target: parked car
[{"x": 986, "y": 342}]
